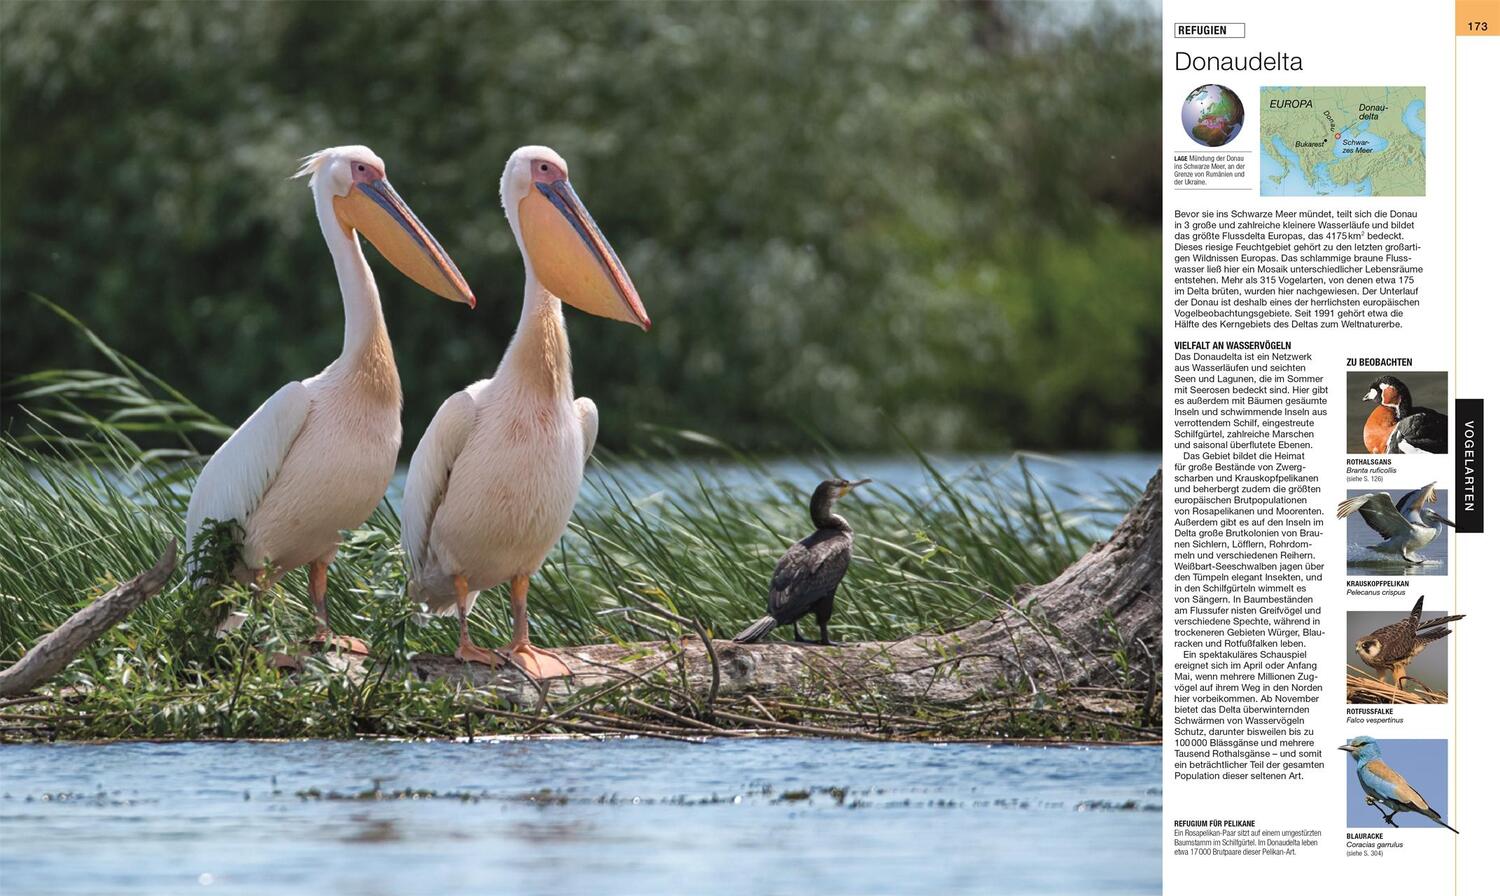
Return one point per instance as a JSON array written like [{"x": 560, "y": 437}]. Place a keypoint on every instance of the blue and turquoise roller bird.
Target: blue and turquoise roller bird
[{"x": 1384, "y": 787}]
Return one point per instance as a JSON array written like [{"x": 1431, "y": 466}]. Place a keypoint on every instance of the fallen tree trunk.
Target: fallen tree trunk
[
  {"x": 1095, "y": 629},
  {"x": 52, "y": 653}
]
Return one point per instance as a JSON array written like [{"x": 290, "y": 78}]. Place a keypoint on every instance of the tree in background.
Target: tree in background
[{"x": 859, "y": 219}]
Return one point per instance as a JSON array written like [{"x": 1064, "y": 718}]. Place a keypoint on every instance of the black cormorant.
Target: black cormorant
[{"x": 809, "y": 572}]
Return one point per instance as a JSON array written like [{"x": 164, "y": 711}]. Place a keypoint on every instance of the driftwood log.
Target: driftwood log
[
  {"x": 52, "y": 653},
  {"x": 1096, "y": 628},
  {"x": 1081, "y": 651}
]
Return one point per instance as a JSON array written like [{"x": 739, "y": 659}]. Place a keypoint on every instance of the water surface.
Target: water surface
[
  {"x": 1415, "y": 119},
  {"x": 1082, "y": 474},
  {"x": 1064, "y": 474},
  {"x": 564, "y": 817}
]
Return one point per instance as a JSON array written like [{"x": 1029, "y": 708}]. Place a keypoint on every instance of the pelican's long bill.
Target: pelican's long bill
[
  {"x": 376, "y": 210},
  {"x": 572, "y": 259}
]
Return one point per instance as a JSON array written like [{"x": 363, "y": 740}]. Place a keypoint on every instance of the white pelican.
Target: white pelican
[
  {"x": 1406, "y": 525},
  {"x": 495, "y": 477},
  {"x": 317, "y": 456}
]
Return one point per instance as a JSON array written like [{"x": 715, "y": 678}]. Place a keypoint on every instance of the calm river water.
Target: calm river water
[
  {"x": 579, "y": 817},
  {"x": 1081, "y": 474},
  {"x": 1077, "y": 473}
]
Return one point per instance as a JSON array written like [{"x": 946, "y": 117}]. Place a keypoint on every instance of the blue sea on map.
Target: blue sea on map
[
  {"x": 1276, "y": 180},
  {"x": 1414, "y": 123},
  {"x": 1373, "y": 142},
  {"x": 1294, "y": 182}
]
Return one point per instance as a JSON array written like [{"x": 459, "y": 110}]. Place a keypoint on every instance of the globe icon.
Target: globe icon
[{"x": 1212, "y": 115}]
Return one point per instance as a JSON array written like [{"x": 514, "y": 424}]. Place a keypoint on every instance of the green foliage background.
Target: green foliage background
[{"x": 856, "y": 219}]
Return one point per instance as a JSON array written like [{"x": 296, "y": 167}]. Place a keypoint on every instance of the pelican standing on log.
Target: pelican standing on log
[
  {"x": 495, "y": 477},
  {"x": 316, "y": 457}
]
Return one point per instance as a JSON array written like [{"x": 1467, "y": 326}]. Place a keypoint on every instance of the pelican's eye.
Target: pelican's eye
[
  {"x": 545, "y": 172},
  {"x": 364, "y": 172}
]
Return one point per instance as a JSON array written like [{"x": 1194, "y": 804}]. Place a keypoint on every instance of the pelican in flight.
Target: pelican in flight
[
  {"x": 1406, "y": 525},
  {"x": 495, "y": 477},
  {"x": 317, "y": 456}
]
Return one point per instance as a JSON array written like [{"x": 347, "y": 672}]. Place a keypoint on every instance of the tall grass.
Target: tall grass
[
  {"x": 85, "y": 506},
  {"x": 941, "y": 555}
]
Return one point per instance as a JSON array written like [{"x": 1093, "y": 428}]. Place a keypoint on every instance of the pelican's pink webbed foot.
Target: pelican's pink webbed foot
[
  {"x": 536, "y": 662},
  {"x": 467, "y": 650},
  {"x": 470, "y": 652},
  {"x": 317, "y": 590},
  {"x": 326, "y": 639}
]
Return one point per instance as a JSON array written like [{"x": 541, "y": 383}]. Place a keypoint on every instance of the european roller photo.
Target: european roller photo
[{"x": 1387, "y": 778}]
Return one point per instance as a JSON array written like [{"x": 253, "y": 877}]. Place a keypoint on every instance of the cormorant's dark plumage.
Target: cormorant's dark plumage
[{"x": 810, "y": 571}]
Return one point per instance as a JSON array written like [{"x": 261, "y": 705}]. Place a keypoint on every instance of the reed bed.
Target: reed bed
[
  {"x": 1360, "y": 687},
  {"x": 97, "y": 483}
]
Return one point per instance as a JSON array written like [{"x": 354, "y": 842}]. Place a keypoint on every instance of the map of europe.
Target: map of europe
[{"x": 1343, "y": 141}]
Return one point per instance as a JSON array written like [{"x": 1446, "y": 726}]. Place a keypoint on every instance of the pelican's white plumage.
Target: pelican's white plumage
[
  {"x": 495, "y": 477},
  {"x": 427, "y": 482},
  {"x": 317, "y": 456},
  {"x": 1406, "y": 524},
  {"x": 236, "y": 478}
]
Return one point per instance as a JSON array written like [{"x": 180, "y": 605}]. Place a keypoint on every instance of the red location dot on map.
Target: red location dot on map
[{"x": 1338, "y": 135}]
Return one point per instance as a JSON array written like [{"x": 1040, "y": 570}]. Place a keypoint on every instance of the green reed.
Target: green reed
[{"x": 693, "y": 526}]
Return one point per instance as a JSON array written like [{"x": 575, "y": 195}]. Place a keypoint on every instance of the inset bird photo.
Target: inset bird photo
[
  {"x": 1397, "y": 533},
  {"x": 1396, "y": 413},
  {"x": 1397, "y": 782},
  {"x": 1396, "y": 657}
]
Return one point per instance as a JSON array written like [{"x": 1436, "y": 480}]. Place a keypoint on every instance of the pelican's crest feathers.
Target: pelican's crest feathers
[{"x": 313, "y": 163}]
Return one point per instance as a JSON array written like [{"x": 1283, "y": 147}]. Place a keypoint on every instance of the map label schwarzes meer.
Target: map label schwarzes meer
[{"x": 1343, "y": 141}]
